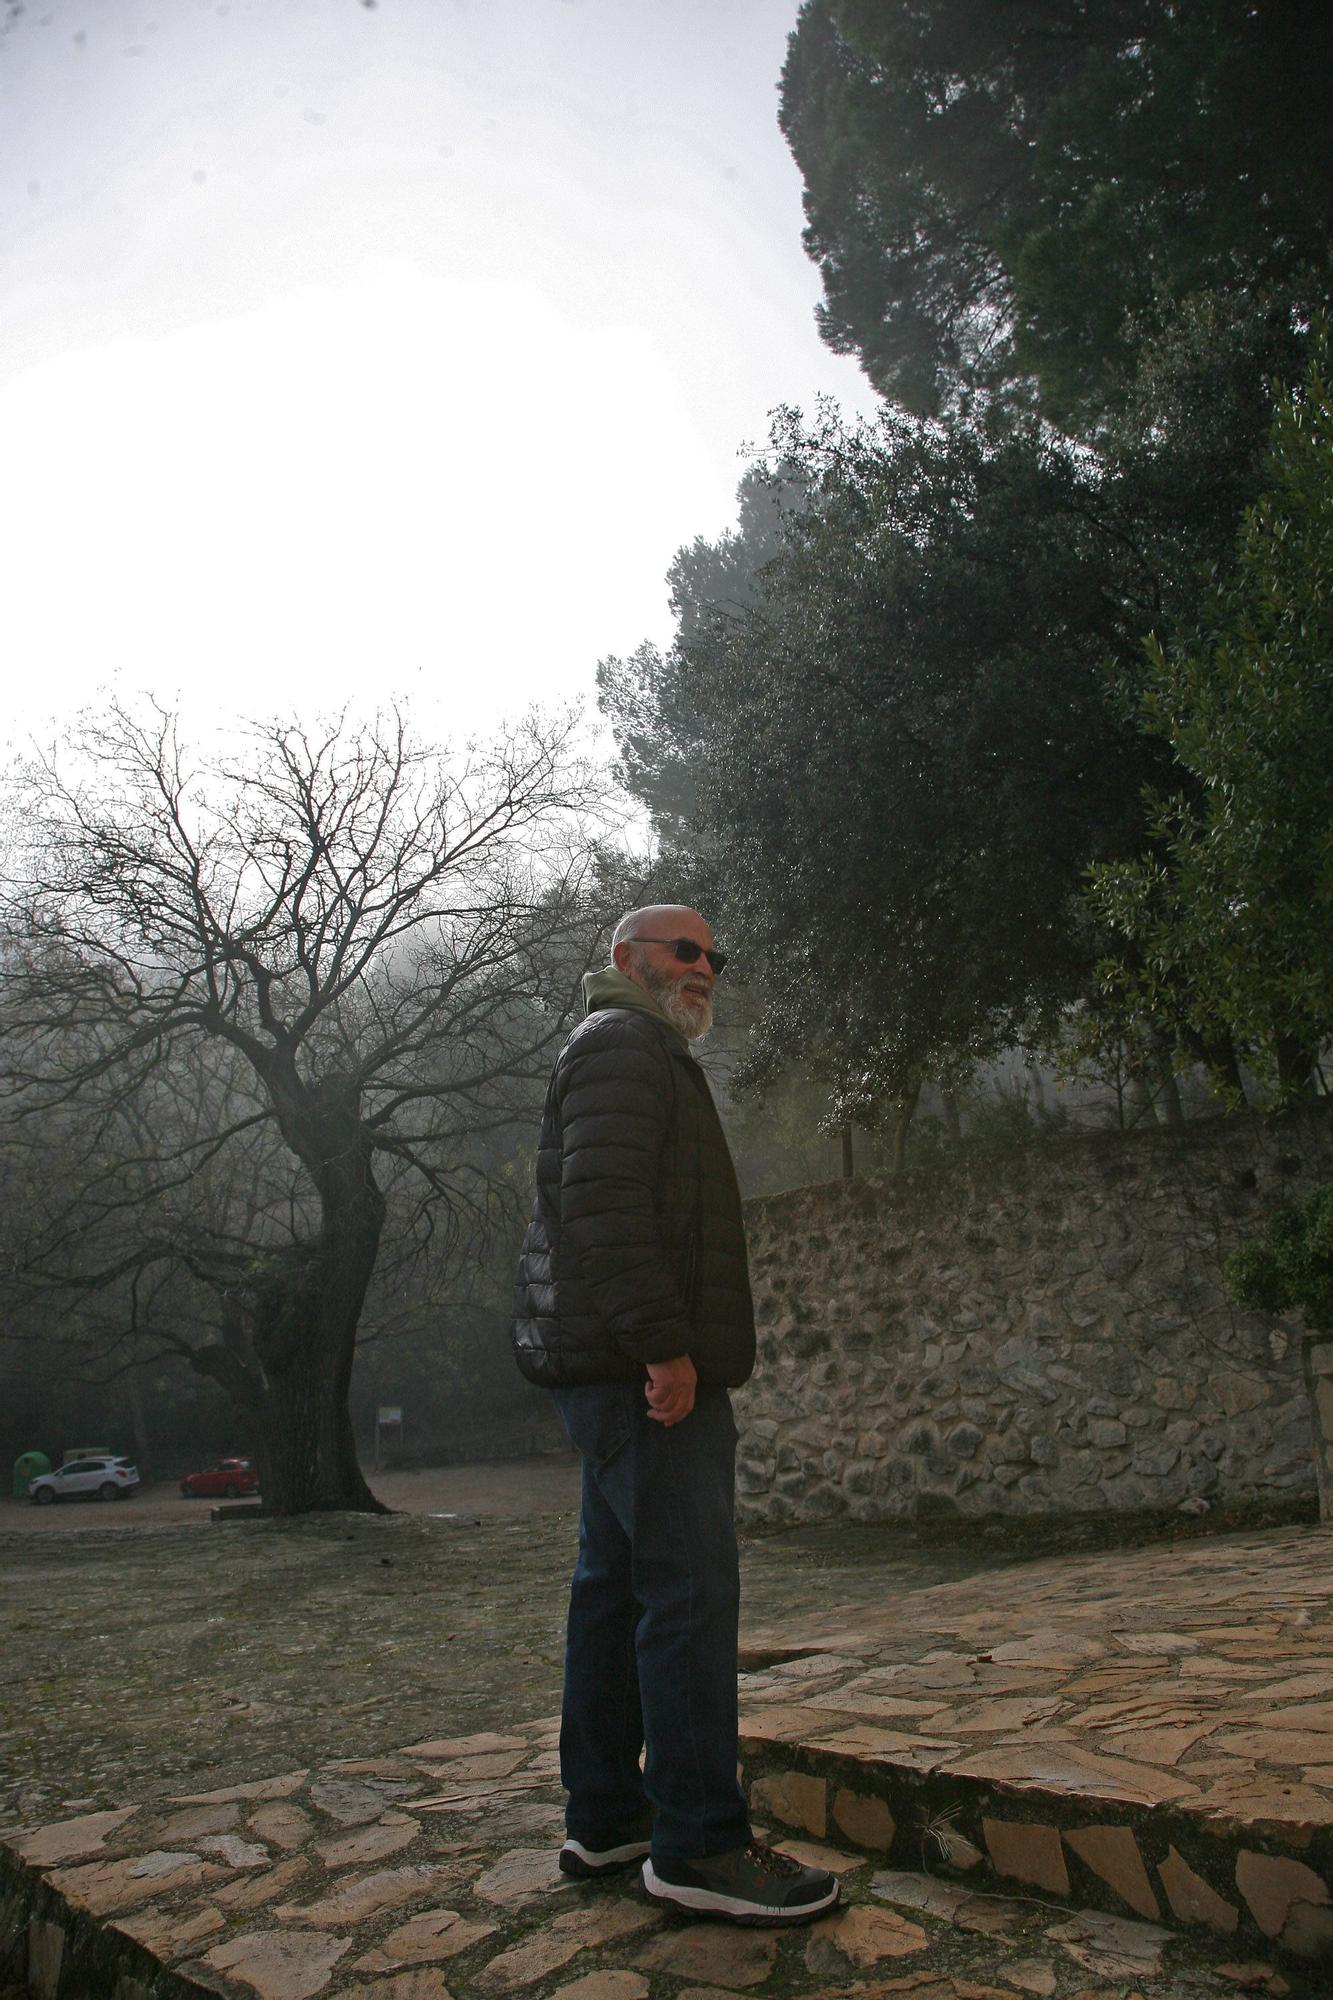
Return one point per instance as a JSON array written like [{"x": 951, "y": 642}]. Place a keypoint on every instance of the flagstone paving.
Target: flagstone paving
[
  {"x": 1150, "y": 1731},
  {"x": 1101, "y": 1776},
  {"x": 422, "y": 1876}
]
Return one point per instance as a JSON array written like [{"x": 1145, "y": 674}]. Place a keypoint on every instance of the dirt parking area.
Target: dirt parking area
[
  {"x": 149, "y": 1648},
  {"x": 517, "y": 1487}
]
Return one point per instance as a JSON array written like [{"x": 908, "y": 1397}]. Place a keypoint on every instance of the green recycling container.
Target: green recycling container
[{"x": 26, "y": 1467}]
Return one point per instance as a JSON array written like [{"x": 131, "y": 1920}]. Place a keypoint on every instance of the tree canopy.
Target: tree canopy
[
  {"x": 907, "y": 707},
  {"x": 1033, "y": 190},
  {"x": 1225, "y": 922},
  {"x": 896, "y": 750}
]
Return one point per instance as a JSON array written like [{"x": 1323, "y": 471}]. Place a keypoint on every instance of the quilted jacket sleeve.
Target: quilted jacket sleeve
[{"x": 616, "y": 1108}]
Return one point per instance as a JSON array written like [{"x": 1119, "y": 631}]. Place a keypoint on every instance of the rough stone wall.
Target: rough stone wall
[{"x": 1047, "y": 1331}]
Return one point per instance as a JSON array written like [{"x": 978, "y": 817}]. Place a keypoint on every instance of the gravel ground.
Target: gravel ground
[{"x": 156, "y": 1654}]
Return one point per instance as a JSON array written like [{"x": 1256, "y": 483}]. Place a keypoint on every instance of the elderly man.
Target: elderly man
[{"x": 633, "y": 1306}]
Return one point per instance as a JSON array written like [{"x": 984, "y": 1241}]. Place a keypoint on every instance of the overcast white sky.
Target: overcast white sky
[{"x": 351, "y": 351}]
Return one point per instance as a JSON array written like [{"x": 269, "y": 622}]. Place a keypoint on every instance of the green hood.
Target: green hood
[{"x": 611, "y": 988}]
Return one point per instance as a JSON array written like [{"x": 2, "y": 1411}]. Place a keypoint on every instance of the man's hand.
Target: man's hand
[{"x": 670, "y": 1389}]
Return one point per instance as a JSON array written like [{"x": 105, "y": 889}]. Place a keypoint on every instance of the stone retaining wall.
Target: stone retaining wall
[{"x": 1046, "y": 1331}]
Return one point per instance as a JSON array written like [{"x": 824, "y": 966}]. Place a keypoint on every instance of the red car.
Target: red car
[{"x": 225, "y": 1479}]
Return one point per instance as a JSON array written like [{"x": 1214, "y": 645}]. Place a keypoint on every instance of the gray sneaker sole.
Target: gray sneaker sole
[
  {"x": 735, "y": 1909},
  {"x": 587, "y": 1864}
]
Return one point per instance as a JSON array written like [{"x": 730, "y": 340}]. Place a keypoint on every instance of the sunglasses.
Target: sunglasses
[{"x": 687, "y": 951}]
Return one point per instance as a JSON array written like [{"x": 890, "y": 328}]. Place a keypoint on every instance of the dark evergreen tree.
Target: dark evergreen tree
[
  {"x": 892, "y": 756},
  {"x": 1223, "y": 927},
  {"x": 1018, "y": 193}
]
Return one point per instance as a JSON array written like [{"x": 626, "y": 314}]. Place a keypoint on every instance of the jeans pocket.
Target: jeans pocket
[{"x": 598, "y": 1418}]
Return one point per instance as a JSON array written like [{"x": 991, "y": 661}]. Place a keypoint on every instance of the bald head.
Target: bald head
[
  {"x": 643, "y": 947},
  {"x": 660, "y": 920}
]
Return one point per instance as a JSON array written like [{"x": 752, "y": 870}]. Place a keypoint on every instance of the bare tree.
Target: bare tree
[{"x": 257, "y": 1000}]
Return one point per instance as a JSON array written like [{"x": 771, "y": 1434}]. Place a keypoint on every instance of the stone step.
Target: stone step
[
  {"x": 1029, "y": 1820},
  {"x": 431, "y": 1874},
  {"x": 1149, "y": 1731}
]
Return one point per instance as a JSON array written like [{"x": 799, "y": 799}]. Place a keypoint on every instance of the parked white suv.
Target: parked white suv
[{"x": 89, "y": 1478}]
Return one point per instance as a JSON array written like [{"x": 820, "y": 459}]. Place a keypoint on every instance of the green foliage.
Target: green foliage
[
  {"x": 1035, "y": 189},
  {"x": 891, "y": 758},
  {"x": 711, "y": 585},
  {"x": 1224, "y": 925},
  {"x": 884, "y": 748},
  {"x": 1291, "y": 1268}
]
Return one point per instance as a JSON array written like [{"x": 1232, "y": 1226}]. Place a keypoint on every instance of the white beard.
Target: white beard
[
  {"x": 689, "y": 1012},
  {"x": 692, "y": 1013}
]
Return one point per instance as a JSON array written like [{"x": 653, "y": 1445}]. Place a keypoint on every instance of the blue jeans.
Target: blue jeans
[{"x": 650, "y": 1658}]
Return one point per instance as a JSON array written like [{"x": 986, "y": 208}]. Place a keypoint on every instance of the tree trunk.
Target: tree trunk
[
  {"x": 1224, "y": 1063},
  {"x": 1223, "y": 1067},
  {"x": 1169, "y": 1106},
  {"x": 287, "y": 1349},
  {"x": 307, "y": 1453},
  {"x": 1139, "y": 1100},
  {"x": 1295, "y": 1066},
  {"x": 307, "y": 1343},
  {"x": 848, "y": 1165},
  {"x": 953, "y": 1122},
  {"x": 906, "y": 1107}
]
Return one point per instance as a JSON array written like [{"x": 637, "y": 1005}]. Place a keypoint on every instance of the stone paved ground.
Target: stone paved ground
[
  {"x": 1149, "y": 1732},
  {"x": 431, "y": 1874}
]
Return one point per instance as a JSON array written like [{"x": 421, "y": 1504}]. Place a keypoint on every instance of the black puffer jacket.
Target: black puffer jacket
[{"x": 636, "y": 1248}]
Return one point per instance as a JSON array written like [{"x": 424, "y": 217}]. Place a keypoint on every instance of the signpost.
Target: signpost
[{"x": 389, "y": 1416}]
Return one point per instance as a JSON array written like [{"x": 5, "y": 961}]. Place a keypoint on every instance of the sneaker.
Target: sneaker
[
  {"x": 586, "y": 1860},
  {"x": 750, "y": 1885}
]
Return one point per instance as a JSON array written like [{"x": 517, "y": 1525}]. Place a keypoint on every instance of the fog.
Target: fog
[{"x": 363, "y": 348}]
